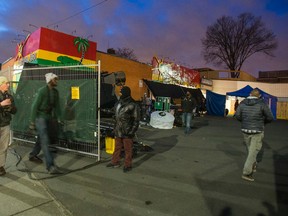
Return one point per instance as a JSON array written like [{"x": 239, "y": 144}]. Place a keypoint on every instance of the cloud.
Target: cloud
[{"x": 170, "y": 29}]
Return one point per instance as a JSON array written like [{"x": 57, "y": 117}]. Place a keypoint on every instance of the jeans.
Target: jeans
[
  {"x": 254, "y": 144},
  {"x": 4, "y": 142},
  {"x": 43, "y": 141},
  {"x": 186, "y": 120}
]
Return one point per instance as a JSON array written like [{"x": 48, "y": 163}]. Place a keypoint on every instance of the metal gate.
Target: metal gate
[{"x": 79, "y": 91}]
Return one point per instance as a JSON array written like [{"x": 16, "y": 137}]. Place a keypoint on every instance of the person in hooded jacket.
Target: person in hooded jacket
[
  {"x": 253, "y": 113},
  {"x": 127, "y": 118}
]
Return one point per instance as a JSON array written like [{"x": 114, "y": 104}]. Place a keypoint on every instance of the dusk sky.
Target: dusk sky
[{"x": 170, "y": 29}]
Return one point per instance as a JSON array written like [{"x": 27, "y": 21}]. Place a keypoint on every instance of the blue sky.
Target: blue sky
[
  {"x": 279, "y": 7},
  {"x": 165, "y": 28}
]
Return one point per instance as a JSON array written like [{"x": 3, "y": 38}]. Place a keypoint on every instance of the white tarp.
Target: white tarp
[{"x": 162, "y": 120}]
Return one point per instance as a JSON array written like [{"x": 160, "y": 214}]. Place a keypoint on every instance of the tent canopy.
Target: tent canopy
[
  {"x": 215, "y": 103},
  {"x": 269, "y": 99},
  {"x": 174, "y": 91},
  {"x": 244, "y": 92}
]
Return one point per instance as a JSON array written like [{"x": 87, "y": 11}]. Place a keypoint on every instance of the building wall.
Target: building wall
[
  {"x": 226, "y": 74},
  {"x": 282, "y": 110},
  {"x": 275, "y": 89},
  {"x": 277, "y": 76},
  {"x": 279, "y": 90},
  {"x": 7, "y": 67},
  {"x": 135, "y": 72}
]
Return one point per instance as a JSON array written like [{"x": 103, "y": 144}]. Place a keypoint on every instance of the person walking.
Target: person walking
[
  {"x": 236, "y": 106},
  {"x": 188, "y": 104},
  {"x": 253, "y": 114},
  {"x": 127, "y": 118},
  {"x": 45, "y": 112},
  {"x": 7, "y": 108}
]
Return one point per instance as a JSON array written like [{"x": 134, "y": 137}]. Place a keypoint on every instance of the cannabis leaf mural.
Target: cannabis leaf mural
[{"x": 83, "y": 45}]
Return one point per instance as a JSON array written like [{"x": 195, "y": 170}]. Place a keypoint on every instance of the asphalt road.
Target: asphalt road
[{"x": 198, "y": 174}]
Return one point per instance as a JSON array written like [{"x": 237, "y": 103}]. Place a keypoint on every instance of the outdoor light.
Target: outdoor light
[
  {"x": 89, "y": 36},
  {"x": 20, "y": 35},
  {"x": 34, "y": 25},
  {"x": 26, "y": 31}
]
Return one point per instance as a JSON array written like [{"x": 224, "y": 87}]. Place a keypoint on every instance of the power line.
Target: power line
[{"x": 63, "y": 20}]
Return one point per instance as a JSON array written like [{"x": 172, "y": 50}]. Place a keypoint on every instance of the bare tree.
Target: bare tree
[
  {"x": 126, "y": 53},
  {"x": 230, "y": 42}
]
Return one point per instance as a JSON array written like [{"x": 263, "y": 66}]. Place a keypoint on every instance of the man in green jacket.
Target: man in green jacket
[
  {"x": 7, "y": 108},
  {"x": 45, "y": 110}
]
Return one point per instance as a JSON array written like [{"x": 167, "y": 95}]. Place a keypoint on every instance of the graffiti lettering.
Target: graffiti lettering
[
  {"x": 28, "y": 59},
  {"x": 171, "y": 73}
]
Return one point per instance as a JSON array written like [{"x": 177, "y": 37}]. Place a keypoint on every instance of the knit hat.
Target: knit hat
[
  {"x": 50, "y": 76},
  {"x": 3, "y": 80},
  {"x": 125, "y": 91}
]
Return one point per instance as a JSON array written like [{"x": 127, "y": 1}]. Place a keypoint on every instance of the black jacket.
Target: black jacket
[
  {"x": 6, "y": 111},
  {"x": 253, "y": 113},
  {"x": 127, "y": 118},
  {"x": 188, "y": 104}
]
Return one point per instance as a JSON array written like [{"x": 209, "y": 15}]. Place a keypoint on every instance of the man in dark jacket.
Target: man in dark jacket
[
  {"x": 7, "y": 108},
  {"x": 253, "y": 114},
  {"x": 127, "y": 118},
  {"x": 188, "y": 104}
]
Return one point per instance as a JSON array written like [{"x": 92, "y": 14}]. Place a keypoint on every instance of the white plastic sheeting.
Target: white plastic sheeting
[{"x": 162, "y": 120}]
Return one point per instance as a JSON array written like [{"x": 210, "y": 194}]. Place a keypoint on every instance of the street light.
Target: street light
[
  {"x": 33, "y": 25},
  {"x": 26, "y": 31},
  {"x": 20, "y": 35},
  {"x": 89, "y": 36}
]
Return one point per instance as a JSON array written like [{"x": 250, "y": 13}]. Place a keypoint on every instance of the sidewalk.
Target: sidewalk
[
  {"x": 198, "y": 174},
  {"x": 20, "y": 195}
]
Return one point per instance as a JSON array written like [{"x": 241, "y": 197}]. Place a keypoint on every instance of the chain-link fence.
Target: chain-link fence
[{"x": 79, "y": 91}]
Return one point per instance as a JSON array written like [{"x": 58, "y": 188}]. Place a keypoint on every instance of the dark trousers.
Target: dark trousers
[{"x": 128, "y": 149}]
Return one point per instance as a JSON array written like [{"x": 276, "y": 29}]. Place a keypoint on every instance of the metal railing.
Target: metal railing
[{"x": 79, "y": 87}]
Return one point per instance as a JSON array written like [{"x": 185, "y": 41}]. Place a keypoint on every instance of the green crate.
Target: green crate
[
  {"x": 160, "y": 99},
  {"x": 166, "y": 107},
  {"x": 158, "y": 106},
  {"x": 166, "y": 101}
]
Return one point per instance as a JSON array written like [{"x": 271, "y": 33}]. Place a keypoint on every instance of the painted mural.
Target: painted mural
[
  {"x": 46, "y": 47},
  {"x": 171, "y": 73},
  {"x": 49, "y": 47}
]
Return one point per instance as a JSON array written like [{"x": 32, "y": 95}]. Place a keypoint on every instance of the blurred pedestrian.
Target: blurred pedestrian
[
  {"x": 188, "y": 104},
  {"x": 236, "y": 104},
  {"x": 203, "y": 107},
  {"x": 253, "y": 114},
  {"x": 127, "y": 118},
  {"x": 45, "y": 112},
  {"x": 7, "y": 107}
]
